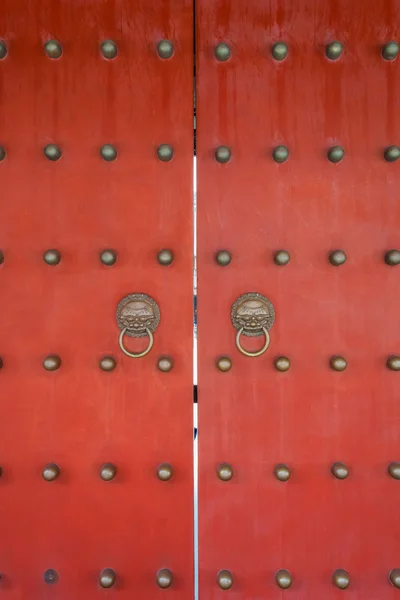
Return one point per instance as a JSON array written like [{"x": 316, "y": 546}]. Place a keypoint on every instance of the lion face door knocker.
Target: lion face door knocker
[
  {"x": 138, "y": 315},
  {"x": 252, "y": 315}
]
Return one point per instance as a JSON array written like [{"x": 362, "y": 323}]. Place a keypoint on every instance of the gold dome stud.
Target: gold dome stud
[
  {"x": 108, "y": 363},
  {"x": 51, "y": 472},
  {"x": 50, "y": 576},
  {"x": 165, "y": 152},
  {"x": 164, "y": 472},
  {"x": 283, "y": 578},
  {"x": 52, "y": 257},
  {"x": 340, "y": 470},
  {"x": 52, "y": 362},
  {"x": 225, "y": 471},
  {"x": 53, "y": 49},
  {"x": 108, "y": 257},
  {"x": 164, "y": 578},
  {"x": 282, "y": 472},
  {"x": 392, "y": 257},
  {"x": 394, "y": 470},
  {"x": 223, "y": 154},
  {"x": 279, "y": 51},
  {"x": 107, "y": 578},
  {"x": 280, "y": 154},
  {"x": 109, "y": 49},
  {"x": 392, "y": 153},
  {"x": 281, "y": 258},
  {"x": 224, "y": 364},
  {"x": 165, "y": 257},
  {"x": 341, "y": 579},
  {"x": 222, "y": 52},
  {"x": 165, "y": 49},
  {"x": 394, "y": 577},
  {"x": 335, "y": 154},
  {"x": 223, "y": 258},
  {"x": 393, "y": 363},
  {"x": 108, "y": 152},
  {"x": 334, "y": 50},
  {"x": 282, "y": 363},
  {"x": 3, "y": 50},
  {"x": 3, "y": 153},
  {"x": 1, "y": 257},
  {"x": 52, "y": 152},
  {"x": 338, "y": 363},
  {"x": 224, "y": 579},
  {"x": 165, "y": 364},
  {"x": 337, "y": 258},
  {"x": 108, "y": 471},
  {"x": 390, "y": 50}
]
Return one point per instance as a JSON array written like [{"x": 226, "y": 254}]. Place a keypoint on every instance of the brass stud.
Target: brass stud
[
  {"x": 394, "y": 577},
  {"x": 50, "y": 576},
  {"x": 165, "y": 49},
  {"x": 334, "y": 50},
  {"x": 280, "y": 154},
  {"x": 335, "y": 154},
  {"x": 107, "y": 578},
  {"x": 282, "y": 472},
  {"x": 165, "y": 152},
  {"x": 341, "y": 579},
  {"x": 223, "y": 258},
  {"x": 3, "y": 153},
  {"x": 340, "y": 470},
  {"x": 165, "y": 257},
  {"x": 392, "y": 153},
  {"x": 164, "y": 472},
  {"x": 280, "y": 51},
  {"x": 338, "y": 363},
  {"x": 394, "y": 470},
  {"x": 165, "y": 364},
  {"x": 109, "y": 49},
  {"x": 225, "y": 471},
  {"x": 164, "y": 578},
  {"x": 390, "y": 50},
  {"x": 108, "y": 363},
  {"x": 51, "y": 472},
  {"x": 3, "y": 50},
  {"x": 52, "y": 362},
  {"x": 108, "y": 152},
  {"x": 1, "y": 257},
  {"x": 337, "y": 258},
  {"x": 108, "y": 471},
  {"x": 392, "y": 258},
  {"x": 52, "y": 257},
  {"x": 224, "y": 364},
  {"x": 281, "y": 258},
  {"x": 393, "y": 363},
  {"x": 53, "y": 49},
  {"x": 108, "y": 257},
  {"x": 283, "y": 578},
  {"x": 282, "y": 363},
  {"x": 223, "y": 154},
  {"x": 222, "y": 52},
  {"x": 224, "y": 579},
  {"x": 52, "y": 152}
]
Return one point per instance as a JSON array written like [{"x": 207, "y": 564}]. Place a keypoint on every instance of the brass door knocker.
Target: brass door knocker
[
  {"x": 253, "y": 315},
  {"x": 138, "y": 315}
]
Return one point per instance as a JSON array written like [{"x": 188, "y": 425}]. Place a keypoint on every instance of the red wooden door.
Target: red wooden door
[
  {"x": 298, "y": 183},
  {"x": 96, "y": 136}
]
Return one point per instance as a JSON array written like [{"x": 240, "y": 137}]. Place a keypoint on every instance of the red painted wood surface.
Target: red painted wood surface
[
  {"x": 309, "y": 417},
  {"x": 80, "y": 417}
]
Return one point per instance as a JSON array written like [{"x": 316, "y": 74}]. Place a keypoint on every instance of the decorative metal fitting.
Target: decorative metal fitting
[
  {"x": 164, "y": 578},
  {"x": 392, "y": 258},
  {"x": 165, "y": 152},
  {"x": 1, "y": 257},
  {"x": 279, "y": 51},
  {"x": 109, "y": 49},
  {"x": 390, "y": 50},
  {"x": 392, "y": 153},
  {"x": 108, "y": 152},
  {"x": 281, "y": 258},
  {"x": 138, "y": 315},
  {"x": 223, "y": 154},
  {"x": 164, "y": 472},
  {"x": 165, "y": 49},
  {"x": 341, "y": 579},
  {"x": 50, "y": 576},
  {"x": 224, "y": 579},
  {"x": 282, "y": 363},
  {"x": 108, "y": 257},
  {"x": 108, "y": 363},
  {"x": 337, "y": 258},
  {"x": 223, "y": 258},
  {"x": 394, "y": 470},
  {"x": 53, "y": 49},
  {"x": 282, "y": 472},
  {"x": 108, "y": 471},
  {"x": 107, "y": 578},
  {"x": 52, "y": 257},
  {"x": 338, "y": 363},
  {"x": 3, "y": 153},
  {"x": 335, "y": 154},
  {"x": 52, "y": 362},
  {"x": 394, "y": 577},
  {"x": 3, "y": 50},
  {"x": 340, "y": 470},
  {"x": 51, "y": 472},
  {"x": 225, "y": 471},
  {"x": 52, "y": 152},
  {"x": 222, "y": 52},
  {"x": 393, "y": 363},
  {"x": 280, "y": 154},
  {"x": 253, "y": 315},
  {"x": 283, "y": 578},
  {"x": 224, "y": 363},
  {"x": 165, "y": 257},
  {"x": 165, "y": 364},
  {"x": 334, "y": 50}
]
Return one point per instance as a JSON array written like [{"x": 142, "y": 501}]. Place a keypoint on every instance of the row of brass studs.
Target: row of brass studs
[
  {"x": 108, "y": 152},
  {"x": 280, "y": 154},
  {"x": 106, "y": 363},
  {"x": 283, "y": 363},
  {"x": 108, "y": 48},
  {"x": 333, "y": 51},
  {"x": 282, "y": 471},
  {"x": 283, "y": 578},
  {"x": 108, "y": 257},
  {"x": 336, "y": 257}
]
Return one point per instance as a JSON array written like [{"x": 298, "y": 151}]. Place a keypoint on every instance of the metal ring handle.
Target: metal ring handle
[
  {"x": 259, "y": 352},
  {"x": 139, "y": 354}
]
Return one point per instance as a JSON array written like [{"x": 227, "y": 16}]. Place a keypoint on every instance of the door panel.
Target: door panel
[{"x": 302, "y": 412}]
